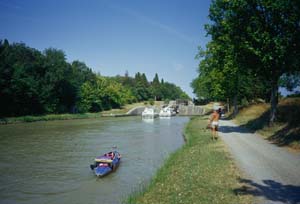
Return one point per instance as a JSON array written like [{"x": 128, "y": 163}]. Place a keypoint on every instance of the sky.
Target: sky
[{"x": 115, "y": 36}]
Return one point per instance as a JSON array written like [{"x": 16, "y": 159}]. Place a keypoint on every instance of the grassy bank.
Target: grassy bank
[
  {"x": 284, "y": 132},
  {"x": 200, "y": 172},
  {"x": 49, "y": 117}
]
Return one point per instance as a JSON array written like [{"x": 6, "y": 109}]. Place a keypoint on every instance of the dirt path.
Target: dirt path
[{"x": 272, "y": 173}]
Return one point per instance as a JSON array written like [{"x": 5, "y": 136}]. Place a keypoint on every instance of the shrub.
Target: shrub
[{"x": 151, "y": 102}]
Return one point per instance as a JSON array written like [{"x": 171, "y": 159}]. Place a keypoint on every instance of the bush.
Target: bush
[
  {"x": 244, "y": 102},
  {"x": 151, "y": 102}
]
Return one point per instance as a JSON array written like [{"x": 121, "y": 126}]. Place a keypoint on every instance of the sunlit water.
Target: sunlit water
[{"x": 48, "y": 162}]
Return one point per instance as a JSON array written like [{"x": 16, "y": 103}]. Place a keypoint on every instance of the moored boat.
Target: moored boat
[
  {"x": 106, "y": 163},
  {"x": 167, "y": 112},
  {"x": 149, "y": 113}
]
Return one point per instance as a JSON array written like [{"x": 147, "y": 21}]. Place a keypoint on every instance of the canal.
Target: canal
[{"x": 48, "y": 162}]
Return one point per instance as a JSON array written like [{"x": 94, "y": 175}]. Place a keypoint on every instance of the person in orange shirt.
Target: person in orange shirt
[{"x": 214, "y": 124}]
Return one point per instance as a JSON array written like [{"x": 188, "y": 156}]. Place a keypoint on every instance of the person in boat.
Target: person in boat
[
  {"x": 214, "y": 124},
  {"x": 110, "y": 155},
  {"x": 103, "y": 164}
]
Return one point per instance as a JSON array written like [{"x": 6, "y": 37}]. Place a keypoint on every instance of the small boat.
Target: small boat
[
  {"x": 149, "y": 113},
  {"x": 167, "y": 112},
  {"x": 106, "y": 163}
]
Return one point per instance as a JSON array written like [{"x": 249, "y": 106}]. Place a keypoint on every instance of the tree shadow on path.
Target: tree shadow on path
[
  {"x": 270, "y": 190},
  {"x": 289, "y": 134},
  {"x": 232, "y": 129}
]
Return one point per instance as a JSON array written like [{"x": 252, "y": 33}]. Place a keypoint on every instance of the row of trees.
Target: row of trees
[
  {"x": 34, "y": 82},
  {"x": 255, "y": 45},
  {"x": 112, "y": 92},
  {"x": 157, "y": 89}
]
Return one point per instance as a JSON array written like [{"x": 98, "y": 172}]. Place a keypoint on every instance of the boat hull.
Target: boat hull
[
  {"x": 104, "y": 165},
  {"x": 102, "y": 171}
]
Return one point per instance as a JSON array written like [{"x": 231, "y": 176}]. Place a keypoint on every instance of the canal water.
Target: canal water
[{"x": 48, "y": 162}]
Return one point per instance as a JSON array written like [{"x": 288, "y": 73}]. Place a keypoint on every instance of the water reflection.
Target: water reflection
[{"x": 48, "y": 162}]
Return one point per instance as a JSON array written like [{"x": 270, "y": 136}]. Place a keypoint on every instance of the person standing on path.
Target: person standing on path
[{"x": 214, "y": 124}]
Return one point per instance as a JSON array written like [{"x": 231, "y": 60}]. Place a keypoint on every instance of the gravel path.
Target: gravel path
[{"x": 272, "y": 173}]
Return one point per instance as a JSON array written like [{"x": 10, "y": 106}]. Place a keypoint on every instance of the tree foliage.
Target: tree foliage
[
  {"x": 34, "y": 82},
  {"x": 143, "y": 90},
  {"x": 103, "y": 94},
  {"x": 254, "y": 44}
]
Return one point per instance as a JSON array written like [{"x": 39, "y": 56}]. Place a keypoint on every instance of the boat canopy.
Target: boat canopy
[{"x": 103, "y": 159}]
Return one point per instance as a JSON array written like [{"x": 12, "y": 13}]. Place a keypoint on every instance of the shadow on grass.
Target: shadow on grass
[
  {"x": 286, "y": 136},
  {"x": 270, "y": 190}
]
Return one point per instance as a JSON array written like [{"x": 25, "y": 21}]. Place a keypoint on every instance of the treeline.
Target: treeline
[
  {"x": 34, "y": 83},
  {"x": 254, "y": 49}
]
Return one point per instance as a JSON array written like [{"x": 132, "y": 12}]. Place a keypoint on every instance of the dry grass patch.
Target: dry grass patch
[
  {"x": 251, "y": 112},
  {"x": 284, "y": 132}
]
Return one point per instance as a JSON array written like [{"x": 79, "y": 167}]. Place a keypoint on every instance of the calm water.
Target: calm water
[{"x": 48, "y": 162}]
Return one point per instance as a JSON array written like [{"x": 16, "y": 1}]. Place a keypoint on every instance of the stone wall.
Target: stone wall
[
  {"x": 191, "y": 110},
  {"x": 136, "y": 111}
]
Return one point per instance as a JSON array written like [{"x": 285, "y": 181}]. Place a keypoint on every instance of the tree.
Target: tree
[
  {"x": 104, "y": 94},
  {"x": 172, "y": 92},
  {"x": 156, "y": 88},
  {"x": 34, "y": 82},
  {"x": 141, "y": 89},
  {"x": 20, "y": 68},
  {"x": 263, "y": 38},
  {"x": 59, "y": 94},
  {"x": 272, "y": 34}
]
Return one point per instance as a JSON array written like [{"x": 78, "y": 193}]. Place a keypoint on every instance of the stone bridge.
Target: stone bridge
[
  {"x": 136, "y": 111},
  {"x": 191, "y": 110},
  {"x": 184, "y": 110}
]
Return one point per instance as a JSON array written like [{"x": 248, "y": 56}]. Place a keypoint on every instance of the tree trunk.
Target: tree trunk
[
  {"x": 235, "y": 105},
  {"x": 228, "y": 107},
  {"x": 274, "y": 102},
  {"x": 236, "y": 94}
]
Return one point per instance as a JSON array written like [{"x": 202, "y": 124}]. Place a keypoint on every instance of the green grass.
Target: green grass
[
  {"x": 48, "y": 117},
  {"x": 284, "y": 132},
  {"x": 200, "y": 172}
]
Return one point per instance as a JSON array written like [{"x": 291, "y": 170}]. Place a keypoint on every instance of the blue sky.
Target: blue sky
[{"x": 112, "y": 36}]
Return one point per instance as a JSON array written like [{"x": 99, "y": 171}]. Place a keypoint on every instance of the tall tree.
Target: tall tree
[
  {"x": 273, "y": 35},
  {"x": 141, "y": 87},
  {"x": 58, "y": 94},
  {"x": 20, "y": 68},
  {"x": 156, "y": 88},
  {"x": 264, "y": 36}
]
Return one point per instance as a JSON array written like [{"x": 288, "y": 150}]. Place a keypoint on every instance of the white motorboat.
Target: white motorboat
[
  {"x": 149, "y": 113},
  {"x": 167, "y": 112}
]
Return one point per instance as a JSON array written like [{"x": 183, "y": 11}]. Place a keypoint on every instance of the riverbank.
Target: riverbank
[
  {"x": 112, "y": 112},
  {"x": 23, "y": 119},
  {"x": 199, "y": 172}
]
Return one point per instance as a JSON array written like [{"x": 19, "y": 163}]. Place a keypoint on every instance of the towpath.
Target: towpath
[{"x": 271, "y": 173}]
